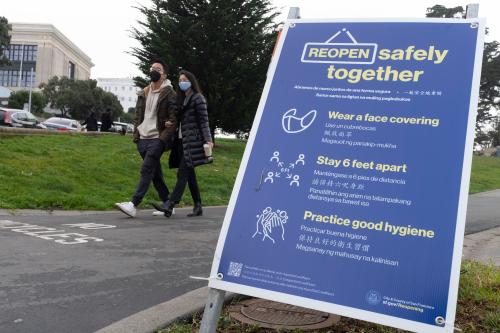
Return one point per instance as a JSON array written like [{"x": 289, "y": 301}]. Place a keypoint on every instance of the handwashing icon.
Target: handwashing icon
[{"x": 293, "y": 124}]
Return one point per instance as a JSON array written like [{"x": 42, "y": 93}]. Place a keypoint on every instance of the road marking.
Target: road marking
[{"x": 48, "y": 233}]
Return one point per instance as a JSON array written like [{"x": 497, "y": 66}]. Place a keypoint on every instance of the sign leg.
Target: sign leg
[{"x": 212, "y": 311}]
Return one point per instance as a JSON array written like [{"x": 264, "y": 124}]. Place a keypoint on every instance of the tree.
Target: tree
[
  {"x": 17, "y": 100},
  {"x": 57, "y": 91},
  {"x": 79, "y": 98},
  {"x": 489, "y": 89},
  {"x": 443, "y": 12},
  {"x": 227, "y": 44},
  {"x": 5, "y": 27},
  {"x": 494, "y": 136},
  {"x": 128, "y": 117},
  {"x": 110, "y": 102}
]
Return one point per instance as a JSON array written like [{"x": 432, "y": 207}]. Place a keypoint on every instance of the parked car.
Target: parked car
[
  {"x": 119, "y": 126},
  {"x": 62, "y": 124},
  {"x": 18, "y": 118}
]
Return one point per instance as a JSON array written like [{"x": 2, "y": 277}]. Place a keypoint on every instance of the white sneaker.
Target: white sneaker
[
  {"x": 158, "y": 213},
  {"x": 127, "y": 207}
]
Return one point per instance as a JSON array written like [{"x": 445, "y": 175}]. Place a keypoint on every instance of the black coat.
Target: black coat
[
  {"x": 193, "y": 118},
  {"x": 106, "y": 122},
  {"x": 91, "y": 123}
]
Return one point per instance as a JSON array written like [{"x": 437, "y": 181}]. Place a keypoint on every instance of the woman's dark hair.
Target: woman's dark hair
[{"x": 181, "y": 95}]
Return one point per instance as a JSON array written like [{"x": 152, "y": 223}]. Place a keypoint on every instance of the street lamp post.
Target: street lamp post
[
  {"x": 21, "y": 67},
  {"x": 31, "y": 88}
]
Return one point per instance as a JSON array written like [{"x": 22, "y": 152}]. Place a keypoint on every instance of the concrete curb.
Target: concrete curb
[
  {"x": 486, "y": 193},
  {"x": 13, "y": 131},
  {"x": 44, "y": 212},
  {"x": 161, "y": 315}
]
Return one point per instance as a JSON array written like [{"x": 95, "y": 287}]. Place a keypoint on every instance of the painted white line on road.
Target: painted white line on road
[{"x": 47, "y": 233}]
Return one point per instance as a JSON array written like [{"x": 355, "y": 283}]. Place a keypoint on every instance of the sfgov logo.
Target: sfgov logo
[
  {"x": 373, "y": 297},
  {"x": 293, "y": 124}
]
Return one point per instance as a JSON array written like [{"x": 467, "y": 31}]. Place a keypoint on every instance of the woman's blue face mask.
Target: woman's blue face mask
[{"x": 184, "y": 85}]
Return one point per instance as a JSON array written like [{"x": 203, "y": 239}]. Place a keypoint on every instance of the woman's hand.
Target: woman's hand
[{"x": 211, "y": 144}]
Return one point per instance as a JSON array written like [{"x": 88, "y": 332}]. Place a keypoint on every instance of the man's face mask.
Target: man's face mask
[{"x": 154, "y": 75}]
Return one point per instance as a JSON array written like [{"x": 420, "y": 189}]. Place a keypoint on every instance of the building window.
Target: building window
[
  {"x": 130, "y": 88},
  {"x": 16, "y": 52},
  {"x": 130, "y": 99},
  {"x": 116, "y": 88},
  {"x": 30, "y": 53},
  {"x": 10, "y": 78},
  {"x": 71, "y": 70},
  {"x": 123, "y": 88}
]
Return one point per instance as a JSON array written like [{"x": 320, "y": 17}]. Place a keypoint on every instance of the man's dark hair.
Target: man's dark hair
[{"x": 162, "y": 63}]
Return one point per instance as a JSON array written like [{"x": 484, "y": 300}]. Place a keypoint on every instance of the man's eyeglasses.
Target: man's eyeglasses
[{"x": 156, "y": 69}]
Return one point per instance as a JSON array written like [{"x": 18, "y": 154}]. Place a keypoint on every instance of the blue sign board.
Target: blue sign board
[{"x": 352, "y": 191}]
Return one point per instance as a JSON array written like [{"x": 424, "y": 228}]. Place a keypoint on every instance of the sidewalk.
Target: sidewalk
[{"x": 483, "y": 246}]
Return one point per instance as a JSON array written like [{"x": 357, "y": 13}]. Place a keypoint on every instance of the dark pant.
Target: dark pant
[
  {"x": 150, "y": 151},
  {"x": 185, "y": 175}
]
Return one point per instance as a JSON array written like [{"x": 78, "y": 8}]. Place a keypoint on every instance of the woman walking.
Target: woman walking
[{"x": 193, "y": 143}]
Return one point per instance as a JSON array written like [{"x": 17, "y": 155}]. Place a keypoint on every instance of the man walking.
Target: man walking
[
  {"x": 91, "y": 123},
  {"x": 154, "y": 129},
  {"x": 106, "y": 121}
]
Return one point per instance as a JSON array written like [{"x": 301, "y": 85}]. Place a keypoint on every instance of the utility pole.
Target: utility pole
[
  {"x": 472, "y": 10},
  {"x": 31, "y": 88},
  {"x": 21, "y": 67}
]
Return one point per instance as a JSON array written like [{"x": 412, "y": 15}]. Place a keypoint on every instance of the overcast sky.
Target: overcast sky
[{"x": 101, "y": 27}]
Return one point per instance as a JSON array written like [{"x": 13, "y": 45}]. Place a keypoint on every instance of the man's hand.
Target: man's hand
[
  {"x": 211, "y": 144},
  {"x": 169, "y": 124}
]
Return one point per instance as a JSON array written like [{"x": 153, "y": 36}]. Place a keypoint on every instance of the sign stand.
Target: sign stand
[
  {"x": 212, "y": 310},
  {"x": 472, "y": 10},
  {"x": 215, "y": 298}
]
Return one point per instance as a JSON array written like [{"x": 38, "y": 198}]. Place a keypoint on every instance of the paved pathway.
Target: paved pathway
[{"x": 96, "y": 275}]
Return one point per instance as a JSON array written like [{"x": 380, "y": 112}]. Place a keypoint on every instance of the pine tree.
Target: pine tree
[
  {"x": 489, "y": 88},
  {"x": 5, "y": 27},
  {"x": 227, "y": 44}
]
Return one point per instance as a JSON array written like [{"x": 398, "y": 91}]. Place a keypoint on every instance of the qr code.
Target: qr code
[{"x": 234, "y": 269}]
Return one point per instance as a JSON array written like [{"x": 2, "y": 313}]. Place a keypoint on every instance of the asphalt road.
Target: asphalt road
[
  {"x": 48, "y": 286},
  {"x": 483, "y": 212},
  {"x": 97, "y": 274}
]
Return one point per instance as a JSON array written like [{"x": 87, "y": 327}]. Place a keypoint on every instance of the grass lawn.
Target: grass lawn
[
  {"x": 485, "y": 174},
  {"x": 477, "y": 309},
  {"x": 94, "y": 172}
]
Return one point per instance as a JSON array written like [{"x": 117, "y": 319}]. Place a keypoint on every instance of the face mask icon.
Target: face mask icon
[{"x": 293, "y": 124}]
